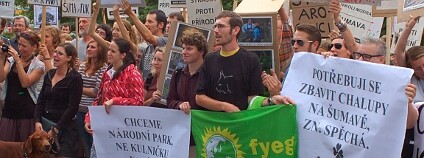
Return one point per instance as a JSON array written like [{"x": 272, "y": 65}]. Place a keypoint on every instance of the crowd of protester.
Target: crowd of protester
[{"x": 120, "y": 65}]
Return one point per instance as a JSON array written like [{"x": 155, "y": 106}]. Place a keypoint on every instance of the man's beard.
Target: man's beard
[{"x": 82, "y": 32}]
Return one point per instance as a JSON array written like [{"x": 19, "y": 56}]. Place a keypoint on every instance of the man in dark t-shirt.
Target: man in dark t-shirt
[{"x": 231, "y": 77}]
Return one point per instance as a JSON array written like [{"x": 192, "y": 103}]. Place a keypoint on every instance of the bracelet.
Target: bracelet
[{"x": 47, "y": 58}]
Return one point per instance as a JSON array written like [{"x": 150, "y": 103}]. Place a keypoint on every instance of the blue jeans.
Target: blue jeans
[{"x": 87, "y": 139}]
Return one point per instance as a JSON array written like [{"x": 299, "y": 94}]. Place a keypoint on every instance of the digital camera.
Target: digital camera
[{"x": 5, "y": 48}]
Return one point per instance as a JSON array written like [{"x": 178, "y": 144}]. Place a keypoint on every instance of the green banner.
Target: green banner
[{"x": 267, "y": 132}]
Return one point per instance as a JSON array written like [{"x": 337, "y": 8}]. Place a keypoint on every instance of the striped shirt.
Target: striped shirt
[{"x": 92, "y": 81}]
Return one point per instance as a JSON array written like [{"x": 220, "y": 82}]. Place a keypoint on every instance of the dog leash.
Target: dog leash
[
  {"x": 24, "y": 152},
  {"x": 55, "y": 140}
]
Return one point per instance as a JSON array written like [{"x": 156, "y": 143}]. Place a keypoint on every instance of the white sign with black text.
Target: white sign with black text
[
  {"x": 165, "y": 6},
  {"x": 359, "y": 20},
  {"x": 348, "y": 110},
  {"x": 415, "y": 36},
  {"x": 121, "y": 13},
  {"x": 55, "y": 3},
  {"x": 203, "y": 13},
  {"x": 7, "y": 8},
  {"x": 139, "y": 131},
  {"x": 76, "y": 8}
]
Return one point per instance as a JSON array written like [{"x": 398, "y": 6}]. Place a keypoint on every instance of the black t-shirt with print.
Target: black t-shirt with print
[{"x": 231, "y": 79}]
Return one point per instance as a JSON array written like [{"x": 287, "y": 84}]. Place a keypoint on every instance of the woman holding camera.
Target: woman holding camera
[{"x": 20, "y": 74}]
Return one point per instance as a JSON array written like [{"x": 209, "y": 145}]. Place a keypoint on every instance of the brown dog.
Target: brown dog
[{"x": 34, "y": 147}]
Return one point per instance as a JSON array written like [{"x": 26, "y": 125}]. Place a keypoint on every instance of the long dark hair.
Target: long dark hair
[{"x": 124, "y": 47}]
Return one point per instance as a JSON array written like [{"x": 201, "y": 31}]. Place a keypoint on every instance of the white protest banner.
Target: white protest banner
[
  {"x": 7, "y": 8},
  {"x": 55, "y": 3},
  {"x": 368, "y": 2},
  {"x": 358, "y": 18},
  {"x": 109, "y": 12},
  {"x": 415, "y": 36},
  {"x": 203, "y": 12},
  {"x": 138, "y": 131},
  {"x": 316, "y": 14},
  {"x": 76, "y": 8},
  {"x": 51, "y": 15},
  {"x": 348, "y": 108},
  {"x": 111, "y": 3},
  {"x": 165, "y": 6}
]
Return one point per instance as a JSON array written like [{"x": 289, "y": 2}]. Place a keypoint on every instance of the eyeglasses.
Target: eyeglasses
[
  {"x": 299, "y": 42},
  {"x": 338, "y": 46},
  {"x": 366, "y": 57}
]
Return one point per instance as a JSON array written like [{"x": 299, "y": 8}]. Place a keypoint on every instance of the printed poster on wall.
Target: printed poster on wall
[
  {"x": 51, "y": 15},
  {"x": 7, "y": 8},
  {"x": 350, "y": 110},
  {"x": 139, "y": 131}
]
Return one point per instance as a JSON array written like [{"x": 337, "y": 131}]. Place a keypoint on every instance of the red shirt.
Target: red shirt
[{"x": 125, "y": 89}]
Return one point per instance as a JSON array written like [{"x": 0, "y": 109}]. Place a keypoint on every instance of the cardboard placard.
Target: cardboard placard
[
  {"x": 76, "y": 8},
  {"x": 367, "y": 2},
  {"x": 172, "y": 58},
  {"x": 317, "y": 14},
  {"x": 51, "y": 15},
  {"x": 409, "y": 7},
  {"x": 111, "y": 3},
  {"x": 165, "y": 6},
  {"x": 385, "y": 9},
  {"x": 203, "y": 13},
  {"x": 249, "y": 7},
  {"x": 7, "y": 8},
  {"x": 55, "y": 3},
  {"x": 121, "y": 13}
]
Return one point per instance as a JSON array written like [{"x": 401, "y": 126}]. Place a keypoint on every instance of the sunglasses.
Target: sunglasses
[
  {"x": 366, "y": 57},
  {"x": 299, "y": 42},
  {"x": 338, "y": 46}
]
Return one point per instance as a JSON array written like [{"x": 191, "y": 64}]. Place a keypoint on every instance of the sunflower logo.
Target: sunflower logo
[{"x": 220, "y": 143}]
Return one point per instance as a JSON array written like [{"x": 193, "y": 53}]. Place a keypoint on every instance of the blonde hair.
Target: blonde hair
[{"x": 56, "y": 34}]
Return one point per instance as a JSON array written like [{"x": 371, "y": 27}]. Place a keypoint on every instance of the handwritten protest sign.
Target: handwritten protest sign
[
  {"x": 76, "y": 8},
  {"x": 7, "y": 8},
  {"x": 368, "y": 2},
  {"x": 203, "y": 13},
  {"x": 111, "y": 3},
  {"x": 165, "y": 6},
  {"x": 348, "y": 110},
  {"x": 359, "y": 20},
  {"x": 317, "y": 14},
  {"x": 55, "y": 3},
  {"x": 51, "y": 15},
  {"x": 130, "y": 131},
  {"x": 414, "y": 38}
]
